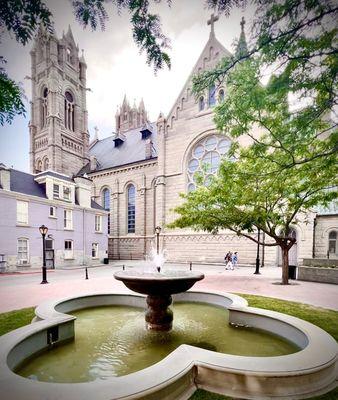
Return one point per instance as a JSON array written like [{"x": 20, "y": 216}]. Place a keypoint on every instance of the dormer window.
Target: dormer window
[
  {"x": 56, "y": 191},
  {"x": 68, "y": 54},
  {"x": 119, "y": 139},
  {"x": 145, "y": 132},
  {"x": 66, "y": 193}
]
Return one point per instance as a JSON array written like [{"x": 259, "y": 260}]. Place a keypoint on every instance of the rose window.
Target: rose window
[{"x": 205, "y": 159}]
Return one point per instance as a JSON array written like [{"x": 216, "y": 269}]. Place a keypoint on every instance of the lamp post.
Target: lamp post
[
  {"x": 158, "y": 231},
  {"x": 257, "y": 256},
  {"x": 43, "y": 230}
]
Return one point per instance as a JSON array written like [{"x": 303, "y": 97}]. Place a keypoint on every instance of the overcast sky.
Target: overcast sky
[{"x": 115, "y": 66}]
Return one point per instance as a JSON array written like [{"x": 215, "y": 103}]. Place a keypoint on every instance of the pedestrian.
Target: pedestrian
[
  {"x": 234, "y": 260},
  {"x": 228, "y": 260}
]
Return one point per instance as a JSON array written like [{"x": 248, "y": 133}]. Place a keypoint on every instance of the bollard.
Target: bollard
[
  {"x": 123, "y": 268},
  {"x": 190, "y": 266},
  {"x": 86, "y": 273}
]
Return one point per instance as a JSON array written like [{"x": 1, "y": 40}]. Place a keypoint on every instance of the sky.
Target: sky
[{"x": 115, "y": 66}]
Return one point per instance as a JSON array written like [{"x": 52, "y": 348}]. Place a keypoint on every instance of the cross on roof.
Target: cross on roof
[
  {"x": 211, "y": 21},
  {"x": 242, "y": 24}
]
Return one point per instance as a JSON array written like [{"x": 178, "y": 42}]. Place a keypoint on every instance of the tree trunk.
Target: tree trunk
[{"x": 285, "y": 265}]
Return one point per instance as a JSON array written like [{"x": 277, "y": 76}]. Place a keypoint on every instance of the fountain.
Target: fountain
[{"x": 159, "y": 287}]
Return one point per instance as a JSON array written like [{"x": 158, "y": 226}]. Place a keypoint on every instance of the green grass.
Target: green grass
[
  {"x": 325, "y": 319},
  {"x": 15, "y": 319}
]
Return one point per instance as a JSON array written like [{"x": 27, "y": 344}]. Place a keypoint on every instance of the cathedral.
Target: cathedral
[{"x": 139, "y": 172}]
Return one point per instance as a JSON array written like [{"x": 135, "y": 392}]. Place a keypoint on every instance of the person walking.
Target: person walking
[
  {"x": 228, "y": 260},
  {"x": 234, "y": 260}
]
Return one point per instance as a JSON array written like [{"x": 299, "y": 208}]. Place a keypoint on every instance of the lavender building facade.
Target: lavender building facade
[{"x": 77, "y": 226}]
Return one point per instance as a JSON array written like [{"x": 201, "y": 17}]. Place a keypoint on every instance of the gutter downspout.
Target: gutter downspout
[
  {"x": 314, "y": 238},
  {"x": 83, "y": 237}
]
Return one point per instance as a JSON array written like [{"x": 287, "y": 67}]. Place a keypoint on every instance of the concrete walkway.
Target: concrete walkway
[{"x": 24, "y": 289}]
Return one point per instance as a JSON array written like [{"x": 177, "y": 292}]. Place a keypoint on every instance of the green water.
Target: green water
[{"x": 112, "y": 341}]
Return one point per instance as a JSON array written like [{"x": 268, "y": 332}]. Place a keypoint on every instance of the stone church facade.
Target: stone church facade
[{"x": 139, "y": 171}]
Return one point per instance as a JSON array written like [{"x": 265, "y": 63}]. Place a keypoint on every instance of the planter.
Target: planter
[{"x": 318, "y": 274}]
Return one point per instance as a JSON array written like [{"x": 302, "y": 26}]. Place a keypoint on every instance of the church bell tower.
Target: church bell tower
[{"x": 58, "y": 127}]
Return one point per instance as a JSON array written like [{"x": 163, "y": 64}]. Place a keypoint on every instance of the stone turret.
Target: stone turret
[
  {"x": 242, "y": 48},
  {"x": 130, "y": 117}
]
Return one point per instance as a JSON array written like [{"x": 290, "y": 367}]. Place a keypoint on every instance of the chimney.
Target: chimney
[
  {"x": 5, "y": 177},
  {"x": 93, "y": 163},
  {"x": 148, "y": 149}
]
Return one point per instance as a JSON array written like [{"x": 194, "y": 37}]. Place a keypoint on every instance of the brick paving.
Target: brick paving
[{"x": 24, "y": 289}]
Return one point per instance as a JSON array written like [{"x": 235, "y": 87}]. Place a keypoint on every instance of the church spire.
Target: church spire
[{"x": 242, "y": 48}]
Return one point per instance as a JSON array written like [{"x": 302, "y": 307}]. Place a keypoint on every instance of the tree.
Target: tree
[{"x": 288, "y": 169}]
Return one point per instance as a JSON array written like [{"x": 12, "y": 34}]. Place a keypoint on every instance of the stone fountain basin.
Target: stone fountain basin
[
  {"x": 307, "y": 373},
  {"x": 158, "y": 283}
]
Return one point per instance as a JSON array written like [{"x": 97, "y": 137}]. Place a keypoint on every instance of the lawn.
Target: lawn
[{"x": 325, "y": 319}]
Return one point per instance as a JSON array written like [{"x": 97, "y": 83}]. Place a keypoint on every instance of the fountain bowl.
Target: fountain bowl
[{"x": 159, "y": 286}]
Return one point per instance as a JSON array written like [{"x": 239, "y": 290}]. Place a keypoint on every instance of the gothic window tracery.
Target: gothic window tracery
[
  {"x": 201, "y": 103},
  {"x": 69, "y": 117},
  {"x": 221, "y": 96},
  {"x": 131, "y": 209},
  {"x": 212, "y": 96},
  {"x": 204, "y": 160},
  {"x": 45, "y": 164},
  {"x": 38, "y": 166},
  {"x": 68, "y": 55},
  {"x": 44, "y": 106}
]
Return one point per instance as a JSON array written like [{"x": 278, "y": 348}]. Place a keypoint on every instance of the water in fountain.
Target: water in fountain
[{"x": 157, "y": 260}]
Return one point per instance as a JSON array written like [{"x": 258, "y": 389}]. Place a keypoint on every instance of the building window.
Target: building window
[
  {"x": 131, "y": 209},
  {"x": 22, "y": 251},
  {"x": 38, "y": 166},
  {"x": 221, "y": 96},
  {"x": 205, "y": 159},
  {"x": 44, "y": 107},
  {"x": 46, "y": 164},
  {"x": 66, "y": 193},
  {"x": 201, "y": 103},
  {"x": 212, "y": 97},
  {"x": 52, "y": 212},
  {"x": 56, "y": 191},
  {"x": 98, "y": 223},
  {"x": 69, "y": 111},
  {"x": 333, "y": 242},
  {"x": 68, "y": 219},
  {"x": 22, "y": 212},
  {"x": 68, "y": 54},
  {"x": 68, "y": 249},
  {"x": 95, "y": 250},
  {"x": 106, "y": 204}
]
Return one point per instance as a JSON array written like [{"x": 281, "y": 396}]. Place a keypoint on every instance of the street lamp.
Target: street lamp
[
  {"x": 257, "y": 256},
  {"x": 158, "y": 231},
  {"x": 43, "y": 230}
]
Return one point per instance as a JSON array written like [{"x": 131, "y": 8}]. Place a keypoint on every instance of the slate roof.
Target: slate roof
[
  {"x": 131, "y": 151},
  {"x": 23, "y": 182}
]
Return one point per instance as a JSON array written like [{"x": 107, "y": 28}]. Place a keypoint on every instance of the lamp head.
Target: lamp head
[
  {"x": 158, "y": 230},
  {"x": 43, "y": 230}
]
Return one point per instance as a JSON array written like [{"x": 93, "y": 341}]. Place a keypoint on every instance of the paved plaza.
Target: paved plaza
[{"x": 23, "y": 289}]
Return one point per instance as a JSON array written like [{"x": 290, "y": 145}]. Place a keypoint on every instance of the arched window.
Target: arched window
[
  {"x": 212, "y": 96},
  {"x": 333, "y": 242},
  {"x": 44, "y": 107},
  {"x": 38, "y": 166},
  {"x": 68, "y": 55},
  {"x": 106, "y": 204},
  {"x": 69, "y": 111},
  {"x": 131, "y": 209},
  {"x": 205, "y": 158},
  {"x": 46, "y": 164},
  {"x": 221, "y": 96},
  {"x": 201, "y": 103}
]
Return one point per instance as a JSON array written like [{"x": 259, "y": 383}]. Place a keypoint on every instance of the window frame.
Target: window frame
[
  {"x": 53, "y": 214},
  {"x": 131, "y": 209},
  {"x": 68, "y": 253},
  {"x": 20, "y": 261},
  {"x": 23, "y": 221},
  {"x": 56, "y": 194},
  {"x": 66, "y": 193},
  {"x": 105, "y": 199},
  {"x": 67, "y": 216},
  {"x": 98, "y": 223},
  {"x": 334, "y": 240}
]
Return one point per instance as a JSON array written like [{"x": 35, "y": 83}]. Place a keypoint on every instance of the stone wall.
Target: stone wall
[{"x": 318, "y": 274}]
